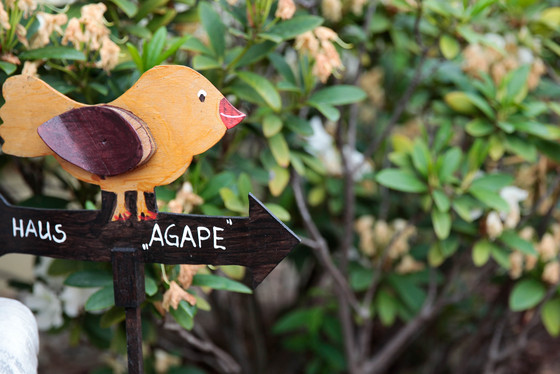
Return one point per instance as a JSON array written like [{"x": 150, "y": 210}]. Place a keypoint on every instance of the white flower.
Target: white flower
[
  {"x": 75, "y": 298},
  {"x": 321, "y": 145},
  {"x": 494, "y": 226},
  {"x": 41, "y": 271},
  {"x": 513, "y": 196},
  {"x": 46, "y": 305},
  {"x": 356, "y": 159}
]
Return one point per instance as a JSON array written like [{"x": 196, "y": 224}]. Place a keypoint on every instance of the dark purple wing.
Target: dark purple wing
[{"x": 96, "y": 139}]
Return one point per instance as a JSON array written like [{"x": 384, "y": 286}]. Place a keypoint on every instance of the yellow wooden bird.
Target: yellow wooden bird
[{"x": 145, "y": 138}]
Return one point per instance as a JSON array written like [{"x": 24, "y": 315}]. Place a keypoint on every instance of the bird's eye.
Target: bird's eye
[{"x": 201, "y": 95}]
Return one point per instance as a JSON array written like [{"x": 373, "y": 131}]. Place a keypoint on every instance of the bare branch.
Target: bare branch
[{"x": 226, "y": 363}]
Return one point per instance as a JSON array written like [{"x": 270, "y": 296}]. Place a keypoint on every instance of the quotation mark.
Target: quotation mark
[
  {"x": 229, "y": 221},
  {"x": 145, "y": 246}
]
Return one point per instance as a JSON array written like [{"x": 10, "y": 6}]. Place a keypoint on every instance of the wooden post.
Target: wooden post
[{"x": 128, "y": 278}]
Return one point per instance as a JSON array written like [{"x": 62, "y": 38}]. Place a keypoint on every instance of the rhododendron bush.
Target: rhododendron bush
[{"x": 412, "y": 144}]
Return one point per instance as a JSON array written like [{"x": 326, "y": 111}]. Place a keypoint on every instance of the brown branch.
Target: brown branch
[
  {"x": 343, "y": 292},
  {"x": 225, "y": 362},
  {"x": 320, "y": 247},
  {"x": 495, "y": 355}
]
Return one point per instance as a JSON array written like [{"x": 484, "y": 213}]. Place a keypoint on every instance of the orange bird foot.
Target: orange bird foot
[
  {"x": 147, "y": 216},
  {"x": 122, "y": 216}
]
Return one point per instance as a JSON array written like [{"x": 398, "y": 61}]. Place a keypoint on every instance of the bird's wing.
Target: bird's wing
[
  {"x": 102, "y": 140},
  {"x": 29, "y": 103}
]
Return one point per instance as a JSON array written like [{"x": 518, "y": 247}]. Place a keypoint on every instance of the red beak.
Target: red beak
[{"x": 230, "y": 116}]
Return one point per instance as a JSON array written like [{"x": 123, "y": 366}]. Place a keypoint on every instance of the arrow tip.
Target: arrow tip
[{"x": 274, "y": 239}]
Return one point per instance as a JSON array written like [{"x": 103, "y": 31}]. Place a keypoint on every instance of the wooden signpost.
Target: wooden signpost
[{"x": 145, "y": 138}]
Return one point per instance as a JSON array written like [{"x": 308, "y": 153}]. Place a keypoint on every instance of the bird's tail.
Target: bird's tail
[{"x": 29, "y": 102}]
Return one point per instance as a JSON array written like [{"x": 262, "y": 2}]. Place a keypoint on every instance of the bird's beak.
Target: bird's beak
[{"x": 229, "y": 115}]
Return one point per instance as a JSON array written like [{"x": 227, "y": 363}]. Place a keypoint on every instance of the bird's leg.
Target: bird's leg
[
  {"x": 121, "y": 212},
  {"x": 144, "y": 214}
]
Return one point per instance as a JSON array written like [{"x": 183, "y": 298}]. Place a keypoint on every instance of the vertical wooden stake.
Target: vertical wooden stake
[{"x": 128, "y": 283}]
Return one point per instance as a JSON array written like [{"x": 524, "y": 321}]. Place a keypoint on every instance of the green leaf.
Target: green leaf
[
  {"x": 490, "y": 198},
  {"x": 184, "y": 314},
  {"x": 459, "y": 102},
  {"x": 150, "y": 286},
  {"x": 449, "y": 163},
  {"x": 442, "y": 223},
  {"x": 255, "y": 53},
  {"x": 409, "y": 292},
  {"x": 162, "y": 19},
  {"x": 280, "y": 64},
  {"x": 526, "y": 294},
  {"x": 212, "y": 189},
  {"x": 135, "y": 56},
  {"x": 548, "y": 148},
  {"x": 89, "y": 278},
  {"x": 327, "y": 110},
  {"x": 534, "y": 128},
  {"x": 449, "y": 46},
  {"x": 147, "y": 7},
  {"x": 299, "y": 319},
  {"x": 279, "y": 180},
  {"x": 480, "y": 6},
  {"x": 102, "y": 299},
  {"x": 421, "y": 157},
  {"x": 7, "y": 67},
  {"x": 463, "y": 206},
  {"x": 232, "y": 201},
  {"x": 493, "y": 182},
  {"x": 550, "y": 315},
  {"x": 479, "y": 127},
  {"x": 53, "y": 53},
  {"x": 244, "y": 186},
  {"x": 204, "y": 62},
  {"x": 514, "y": 241},
  {"x": 263, "y": 87},
  {"x": 477, "y": 154},
  {"x": 295, "y": 26},
  {"x": 127, "y": 6},
  {"x": 279, "y": 211},
  {"x": 153, "y": 49},
  {"x": 500, "y": 255},
  {"x": 172, "y": 49},
  {"x": 272, "y": 124},
  {"x": 481, "y": 252},
  {"x": 112, "y": 317},
  {"x": 521, "y": 147},
  {"x": 496, "y": 147},
  {"x": 442, "y": 201},
  {"x": 481, "y": 104},
  {"x": 219, "y": 283},
  {"x": 338, "y": 95},
  {"x": 401, "y": 180},
  {"x": 195, "y": 45},
  {"x": 516, "y": 86},
  {"x": 386, "y": 306},
  {"x": 212, "y": 23},
  {"x": 280, "y": 150},
  {"x": 435, "y": 255},
  {"x": 103, "y": 90}
]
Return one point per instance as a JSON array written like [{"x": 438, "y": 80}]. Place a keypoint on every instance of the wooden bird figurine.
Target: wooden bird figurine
[{"x": 145, "y": 138}]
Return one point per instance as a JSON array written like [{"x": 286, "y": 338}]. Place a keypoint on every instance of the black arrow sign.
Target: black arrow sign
[{"x": 258, "y": 242}]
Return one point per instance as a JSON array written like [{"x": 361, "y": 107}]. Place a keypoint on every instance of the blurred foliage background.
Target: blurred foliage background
[{"x": 413, "y": 145}]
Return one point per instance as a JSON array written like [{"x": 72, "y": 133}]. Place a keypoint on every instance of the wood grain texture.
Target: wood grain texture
[
  {"x": 259, "y": 241},
  {"x": 99, "y": 139},
  {"x": 29, "y": 103}
]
